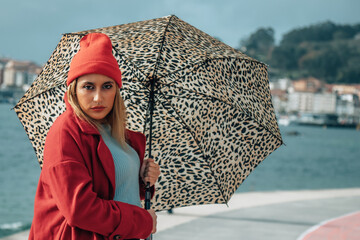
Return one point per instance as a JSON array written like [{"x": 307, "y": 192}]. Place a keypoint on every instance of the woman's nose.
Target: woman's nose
[{"x": 97, "y": 96}]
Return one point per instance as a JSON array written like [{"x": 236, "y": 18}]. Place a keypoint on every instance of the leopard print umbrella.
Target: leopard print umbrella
[{"x": 213, "y": 119}]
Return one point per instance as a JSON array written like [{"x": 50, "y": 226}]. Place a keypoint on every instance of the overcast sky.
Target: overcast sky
[{"x": 31, "y": 29}]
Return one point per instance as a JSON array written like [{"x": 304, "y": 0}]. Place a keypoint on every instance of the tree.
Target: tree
[
  {"x": 319, "y": 32},
  {"x": 260, "y": 44},
  {"x": 286, "y": 56},
  {"x": 326, "y": 51}
]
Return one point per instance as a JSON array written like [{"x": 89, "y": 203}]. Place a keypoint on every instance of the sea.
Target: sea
[{"x": 311, "y": 158}]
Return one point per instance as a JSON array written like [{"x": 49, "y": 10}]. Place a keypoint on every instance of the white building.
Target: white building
[
  {"x": 3, "y": 62},
  {"x": 300, "y": 102},
  {"x": 312, "y": 98},
  {"x": 281, "y": 84},
  {"x": 348, "y": 108},
  {"x": 324, "y": 103},
  {"x": 19, "y": 74},
  {"x": 308, "y": 102}
]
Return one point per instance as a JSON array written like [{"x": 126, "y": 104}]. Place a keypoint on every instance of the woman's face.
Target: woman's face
[{"x": 95, "y": 94}]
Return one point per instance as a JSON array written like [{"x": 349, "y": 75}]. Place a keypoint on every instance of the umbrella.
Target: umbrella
[{"x": 205, "y": 107}]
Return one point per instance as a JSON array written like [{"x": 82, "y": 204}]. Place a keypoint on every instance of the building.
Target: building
[
  {"x": 348, "y": 108},
  {"x": 3, "y": 62},
  {"x": 324, "y": 103},
  {"x": 309, "y": 84},
  {"x": 310, "y": 95},
  {"x": 279, "y": 93},
  {"x": 279, "y": 100},
  {"x": 15, "y": 78},
  {"x": 281, "y": 84},
  {"x": 18, "y": 74},
  {"x": 342, "y": 89},
  {"x": 308, "y": 102},
  {"x": 313, "y": 101},
  {"x": 348, "y": 102}
]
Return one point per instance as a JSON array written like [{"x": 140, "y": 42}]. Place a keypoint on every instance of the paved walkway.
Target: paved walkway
[
  {"x": 257, "y": 216},
  {"x": 283, "y": 215},
  {"x": 343, "y": 227}
]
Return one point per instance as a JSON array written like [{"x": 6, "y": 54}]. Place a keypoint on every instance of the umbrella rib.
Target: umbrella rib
[
  {"x": 37, "y": 94},
  {"x": 161, "y": 46},
  {"x": 214, "y": 98},
  {"x": 48, "y": 61},
  {"x": 204, "y": 61},
  {"x": 126, "y": 59},
  {"x": 182, "y": 122},
  {"x": 217, "y": 99},
  {"x": 148, "y": 112}
]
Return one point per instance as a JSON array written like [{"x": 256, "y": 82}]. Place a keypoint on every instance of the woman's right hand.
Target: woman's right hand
[{"x": 154, "y": 217}]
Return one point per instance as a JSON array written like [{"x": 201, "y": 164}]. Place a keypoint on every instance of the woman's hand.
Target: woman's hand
[
  {"x": 150, "y": 171},
  {"x": 154, "y": 217}
]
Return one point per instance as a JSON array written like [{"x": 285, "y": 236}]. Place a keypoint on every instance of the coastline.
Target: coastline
[{"x": 168, "y": 223}]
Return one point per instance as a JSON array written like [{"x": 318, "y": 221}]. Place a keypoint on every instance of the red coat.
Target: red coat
[{"x": 74, "y": 198}]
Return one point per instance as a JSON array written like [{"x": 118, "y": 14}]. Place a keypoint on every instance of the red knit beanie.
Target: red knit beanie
[{"x": 95, "y": 56}]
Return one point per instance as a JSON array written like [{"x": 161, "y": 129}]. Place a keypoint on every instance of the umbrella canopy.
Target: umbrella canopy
[{"x": 212, "y": 123}]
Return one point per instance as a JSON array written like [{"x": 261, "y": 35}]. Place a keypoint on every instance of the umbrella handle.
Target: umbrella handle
[
  {"x": 147, "y": 202},
  {"x": 147, "y": 196}
]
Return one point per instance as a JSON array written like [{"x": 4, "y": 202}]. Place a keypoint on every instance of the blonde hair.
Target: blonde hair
[{"x": 116, "y": 117}]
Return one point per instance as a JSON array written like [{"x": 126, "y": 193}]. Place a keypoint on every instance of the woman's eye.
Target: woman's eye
[
  {"x": 107, "y": 86},
  {"x": 88, "y": 87}
]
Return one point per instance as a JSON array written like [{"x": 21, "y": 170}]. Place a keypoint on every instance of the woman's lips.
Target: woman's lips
[{"x": 98, "y": 108}]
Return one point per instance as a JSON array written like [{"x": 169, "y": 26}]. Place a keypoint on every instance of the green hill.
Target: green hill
[{"x": 326, "y": 51}]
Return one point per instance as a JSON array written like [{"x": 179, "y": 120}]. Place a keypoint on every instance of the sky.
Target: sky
[{"x": 30, "y": 30}]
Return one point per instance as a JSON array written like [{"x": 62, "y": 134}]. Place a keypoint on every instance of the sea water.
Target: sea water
[
  {"x": 313, "y": 158},
  {"x": 19, "y": 174}
]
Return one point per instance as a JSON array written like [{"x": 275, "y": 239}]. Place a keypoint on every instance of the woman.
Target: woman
[{"x": 93, "y": 174}]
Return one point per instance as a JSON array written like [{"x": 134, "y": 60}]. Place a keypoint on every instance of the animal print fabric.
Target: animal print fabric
[{"x": 213, "y": 120}]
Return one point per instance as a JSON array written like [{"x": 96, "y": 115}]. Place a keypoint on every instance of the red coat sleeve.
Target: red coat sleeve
[{"x": 71, "y": 188}]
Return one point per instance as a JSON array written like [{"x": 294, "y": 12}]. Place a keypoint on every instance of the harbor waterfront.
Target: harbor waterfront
[{"x": 312, "y": 158}]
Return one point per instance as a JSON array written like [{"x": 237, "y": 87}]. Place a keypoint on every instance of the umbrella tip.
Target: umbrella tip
[{"x": 171, "y": 16}]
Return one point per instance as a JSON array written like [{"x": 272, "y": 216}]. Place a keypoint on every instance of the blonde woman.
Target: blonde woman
[{"x": 94, "y": 172}]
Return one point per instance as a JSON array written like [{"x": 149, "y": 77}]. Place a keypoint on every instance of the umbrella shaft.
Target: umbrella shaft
[{"x": 151, "y": 108}]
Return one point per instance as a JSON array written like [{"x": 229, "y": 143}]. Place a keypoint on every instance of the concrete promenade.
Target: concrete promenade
[{"x": 280, "y": 215}]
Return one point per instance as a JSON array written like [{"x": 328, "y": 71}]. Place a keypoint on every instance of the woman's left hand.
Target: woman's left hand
[{"x": 150, "y": 171}]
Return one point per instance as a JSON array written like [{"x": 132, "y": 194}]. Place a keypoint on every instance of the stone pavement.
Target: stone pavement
[
  {"x": 257, "y": 216},
  {"x": 283, "y": 215},
  {"x": 275, "y": 221}
]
